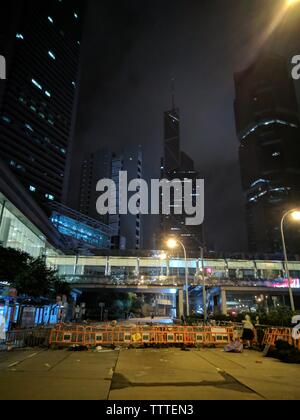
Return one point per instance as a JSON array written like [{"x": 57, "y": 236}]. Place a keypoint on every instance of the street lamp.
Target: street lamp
[
  {"x": 172, "y": 243},
  {"x": 163, "y": 257},
  {"x": 295, "y": 215},
  {"x": 203, "y": 285},
  {"x": 292, "y": 2}
]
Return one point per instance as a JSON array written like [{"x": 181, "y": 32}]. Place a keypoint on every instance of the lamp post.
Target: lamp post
[
  {"x": 296, "y": 216},
  {"x": 203, "y": 286},
  {"x": 173, "y": 243},
  {"x": 163, "y": 257}
]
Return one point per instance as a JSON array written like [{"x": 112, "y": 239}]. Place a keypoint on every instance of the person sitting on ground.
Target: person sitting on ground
[
  {"x": 236, "y": 346},
  {"x": 248, "y": 331}
]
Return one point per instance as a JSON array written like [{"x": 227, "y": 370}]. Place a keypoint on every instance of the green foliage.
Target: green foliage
[
  {"x": 12, "y": 263},
  {"x": 35, "y": 280},
  {"x": 61, "y": 288},
  {"x": 30, "y": 276},
  {"x": 279, "y": 317}
]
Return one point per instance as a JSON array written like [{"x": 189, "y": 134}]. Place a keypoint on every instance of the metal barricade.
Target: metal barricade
[
  {"x": 91, "y": 336},
  {"x": 35, "y": 337},
  {"x": 285, "y": 334}
]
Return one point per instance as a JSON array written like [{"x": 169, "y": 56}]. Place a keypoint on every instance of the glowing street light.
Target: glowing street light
[
  {"x": 292, "y": 2},
  {"x": 172, "y": 243},
  {"x": 295, "y": 215}
]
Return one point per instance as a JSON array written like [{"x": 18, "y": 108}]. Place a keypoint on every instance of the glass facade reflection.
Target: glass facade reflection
[
  {"x": 80, "y": 231},
  {"x": 17, "y": 232}
]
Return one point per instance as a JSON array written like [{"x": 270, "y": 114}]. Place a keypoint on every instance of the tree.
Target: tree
[
  {"x": 36, "y": 279},
  {"x": 61, "y": 288},
  {"x": 30, "y": 276},
  {"x": 12, "y": 263}
]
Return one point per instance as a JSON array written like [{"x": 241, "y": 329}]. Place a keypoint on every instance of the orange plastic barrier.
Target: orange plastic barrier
[
  {"x": 274, "y": 334},
  {"x": 139, "y": 335}
]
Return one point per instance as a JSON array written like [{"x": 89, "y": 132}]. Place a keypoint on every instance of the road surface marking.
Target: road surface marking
[
  {"x": 32, "y": 355},
  {"x": 13, "y": 364}
]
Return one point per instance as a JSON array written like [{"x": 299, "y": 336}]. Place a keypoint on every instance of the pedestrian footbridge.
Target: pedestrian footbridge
[{"x": 153, "y": 272}]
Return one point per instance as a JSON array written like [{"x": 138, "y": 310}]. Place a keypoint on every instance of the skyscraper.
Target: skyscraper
[
  {"x": 95, "y": 166},
  {"x": 268, "y": 130},
  {"x": 127, "y": 229},
  {"x": 177, "y": 165},
  {"x": 41, "y": 42},
  {"x": 128, "y": 226}
]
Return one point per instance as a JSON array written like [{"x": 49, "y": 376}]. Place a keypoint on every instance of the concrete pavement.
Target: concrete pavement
[{"x": 146, "y": 374}]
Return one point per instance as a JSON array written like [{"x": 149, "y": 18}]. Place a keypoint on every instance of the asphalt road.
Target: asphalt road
[{"x": 145, "y": 374}]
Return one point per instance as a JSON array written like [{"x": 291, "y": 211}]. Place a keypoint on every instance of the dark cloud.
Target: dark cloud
[{"x": 133, "y": 49}]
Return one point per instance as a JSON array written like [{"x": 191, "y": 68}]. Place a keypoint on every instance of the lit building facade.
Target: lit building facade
[
  {"x": 41, "y": 41},
  {"x": 23, "y": 224},
  {"x": 127, "y": 230},
  {"x": 268, "y": 130},
  {"x": 130, "y": 227},
  {"x": 80, "y": 231}
]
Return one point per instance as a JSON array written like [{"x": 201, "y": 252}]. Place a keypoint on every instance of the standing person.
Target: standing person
[{"x": 248, "y": 330}]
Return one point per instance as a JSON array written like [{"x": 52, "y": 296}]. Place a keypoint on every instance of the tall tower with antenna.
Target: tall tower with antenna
[
  {"x": 171, "y": 159},
  {"x": 176, "y": 164}
]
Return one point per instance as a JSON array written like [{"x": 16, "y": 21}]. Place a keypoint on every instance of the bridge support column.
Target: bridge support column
[
  {"x": 137, "y": 267},
  {"x": 107, "y": 267},
  {"x": 180, "y": 306},
  {"x": 223, "y": 302}
]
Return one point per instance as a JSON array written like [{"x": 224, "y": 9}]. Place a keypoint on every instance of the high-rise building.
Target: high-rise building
[
  {"x": 41, "y": 43},
  {"x": 268, "y": 130},
  {"x": 127, "y": 229},
  {"x": 172, "y": 155},
  {"x": 130, "y": 226},
  {"x": 95, "y": 166},
  {"x": 177, "y": 165}
]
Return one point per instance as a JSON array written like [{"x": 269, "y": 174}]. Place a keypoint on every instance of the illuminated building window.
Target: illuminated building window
[
  {"x": 260, "y": 181},
  {"x": 6, "y": 119},
  {"x": 35, "y": 83},
  {"x": 267, "y": 123},
  {"x": 28, "y": 126},
  {"x": 50, "y": 53}
]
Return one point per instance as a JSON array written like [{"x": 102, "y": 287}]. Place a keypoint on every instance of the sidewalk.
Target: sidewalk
[{"x": 151, "y": 374}]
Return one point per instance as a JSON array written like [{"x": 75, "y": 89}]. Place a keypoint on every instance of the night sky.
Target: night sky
[{"x": 132, "y": 50}]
